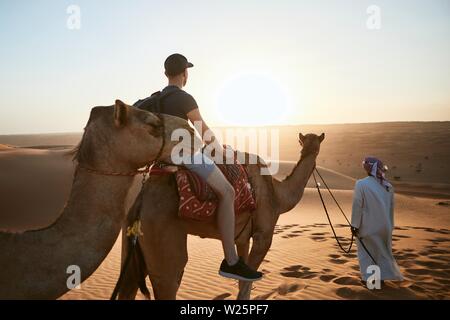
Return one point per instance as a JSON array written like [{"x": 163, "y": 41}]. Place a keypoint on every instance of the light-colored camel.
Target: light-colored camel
[
  {"x": 34, "y": 264},
  {"x": 163, "y": 244}
]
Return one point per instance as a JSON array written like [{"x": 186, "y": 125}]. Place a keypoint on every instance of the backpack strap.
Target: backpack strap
[
  {"x": 156, "y": 99},
  {"x": 161, "y": 97}
]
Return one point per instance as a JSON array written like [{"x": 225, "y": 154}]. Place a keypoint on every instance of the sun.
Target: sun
[{"x": 252, "y": 99}]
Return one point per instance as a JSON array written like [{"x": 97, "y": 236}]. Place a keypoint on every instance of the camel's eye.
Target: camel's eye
[
  {"x": 154, "y": 128},
  {"x": 151, "y": 121}
]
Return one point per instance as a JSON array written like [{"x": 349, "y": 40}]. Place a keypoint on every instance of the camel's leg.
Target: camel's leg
[
  {"x": 166, "y": 277},
  {"x": 261, "y": 245},
  {"x": 166, "y": 288},
  {"x": 165, "y": 253},
  {"x": 242, "y": 249}
]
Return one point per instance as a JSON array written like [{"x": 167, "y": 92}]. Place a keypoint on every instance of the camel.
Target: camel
[
  {"x": 162, "y": 250},
  {"x": 121, "y": 139}
]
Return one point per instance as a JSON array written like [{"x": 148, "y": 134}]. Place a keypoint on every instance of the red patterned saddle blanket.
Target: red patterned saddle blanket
[{"x": 198, "y": 201}]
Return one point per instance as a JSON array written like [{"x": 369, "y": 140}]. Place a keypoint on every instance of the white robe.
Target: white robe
[{"x": 373, "y": 215}]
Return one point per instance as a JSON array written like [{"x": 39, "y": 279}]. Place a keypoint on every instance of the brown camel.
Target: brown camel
[
  {"x": 34, "y": 264},
  {"x": 163, "y": 254}
]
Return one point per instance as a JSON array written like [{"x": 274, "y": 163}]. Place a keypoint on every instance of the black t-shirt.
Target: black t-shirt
[{"x": 175, "y": 102}]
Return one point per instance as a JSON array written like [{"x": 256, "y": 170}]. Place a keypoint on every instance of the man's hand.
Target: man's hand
[{"x": 355, "y": 231}]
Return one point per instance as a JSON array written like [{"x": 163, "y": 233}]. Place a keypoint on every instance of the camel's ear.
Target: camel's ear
[
  {"x": 120, "y": 114},
  {"x": 301, "y": 138},
  {"x": 321, "y": 137}
]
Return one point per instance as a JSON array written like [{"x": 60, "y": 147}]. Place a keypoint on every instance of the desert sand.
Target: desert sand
[{"x": 304, "y": 261}]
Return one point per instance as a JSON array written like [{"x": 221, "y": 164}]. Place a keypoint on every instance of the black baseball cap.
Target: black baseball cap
[{"x": 176, "y": 64}]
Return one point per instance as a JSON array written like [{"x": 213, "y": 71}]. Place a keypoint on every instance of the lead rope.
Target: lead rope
[
  {"x": 342, "y": 211},
  {"x": 133, "y": 233}
]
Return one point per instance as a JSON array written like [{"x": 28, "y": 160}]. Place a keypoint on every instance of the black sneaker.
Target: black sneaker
[{"x": 239, "y": 271}]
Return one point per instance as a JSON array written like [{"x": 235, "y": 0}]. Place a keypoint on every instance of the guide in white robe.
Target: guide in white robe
[{"x": 373, "y": 216}]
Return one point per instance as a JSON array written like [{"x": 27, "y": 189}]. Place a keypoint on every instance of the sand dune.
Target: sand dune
[
  {"x": 303, "y": 263},
  {"x": 294, "y": 269},
  {"x": 34, "y": 186},
  {"x": 4, "y": 147},
  {"x": 333, "y": 179}
]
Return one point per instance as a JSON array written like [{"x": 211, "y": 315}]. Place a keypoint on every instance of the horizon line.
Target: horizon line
[{"x": 255, "y": 126}]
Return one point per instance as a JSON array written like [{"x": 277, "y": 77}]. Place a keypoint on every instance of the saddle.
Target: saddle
[{"x": 198, "y": 201}]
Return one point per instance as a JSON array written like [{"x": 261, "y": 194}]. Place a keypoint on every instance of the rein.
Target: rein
[
  {"x": 342, "y": 211},
  {"x": 116, "y": 174}
]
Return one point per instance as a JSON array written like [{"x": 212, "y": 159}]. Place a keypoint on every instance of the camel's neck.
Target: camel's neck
[
  {"x": 34, "y": 263},
  {"x": 290, "y": 191}
]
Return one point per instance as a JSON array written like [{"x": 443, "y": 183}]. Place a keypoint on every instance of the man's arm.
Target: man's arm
[
  {"x": 358, "y": 205},
  {"x": 195, "y": 117},
  {"x": 391, "y": 211}
]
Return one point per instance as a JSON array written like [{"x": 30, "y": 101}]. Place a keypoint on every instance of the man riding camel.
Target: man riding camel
[{"x": 177, "y": 102}]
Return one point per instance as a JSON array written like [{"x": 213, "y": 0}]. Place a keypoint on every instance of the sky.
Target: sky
[{"x": 256, "y": 62}]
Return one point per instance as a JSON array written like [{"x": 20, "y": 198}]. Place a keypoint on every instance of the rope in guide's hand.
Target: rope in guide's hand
[{"x": 342, "y": 211}]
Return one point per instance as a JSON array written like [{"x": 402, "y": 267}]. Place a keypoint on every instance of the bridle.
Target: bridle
[{"x": 144, "y": 171}]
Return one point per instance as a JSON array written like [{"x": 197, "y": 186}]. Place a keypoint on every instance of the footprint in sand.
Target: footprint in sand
[
  {"x": 431, "y": 230},
  {"x": 399, "y": 236},
  {"x": 265, "y": 296},
  {"x": 338, "y": 261},
  {"x": 348, "y": 293},
  {"x": 417, "y": 288},
  {"x": 291, "y": 235},
  {"x": 427, "y": 229},
  {"x": 445, "y": 259},
  {"x": 432, "y": 264},
  {"x": 296, "y": 267},
  {"x": 286, "y": 288},
  {"x": 327, "y": 277},
  {"x": 433, "y": 250},
  {"x": 318, "y": 236},
  {"x": 282, "y": 290},
  {"x": 222, "y": 296},
  {"x": 418, "y": 271},
  {"x": 439, "y": 240},
  {"x": 298, "y": 271},
  {"x": 318, "y": 239},
  {"x": 405, "y": 256},
  {"x": 348, "y": 281}
]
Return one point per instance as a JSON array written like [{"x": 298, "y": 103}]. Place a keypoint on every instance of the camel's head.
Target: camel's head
[
  {"x": 310, "y": 143},
  {"x": 123, "y": 137}
]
